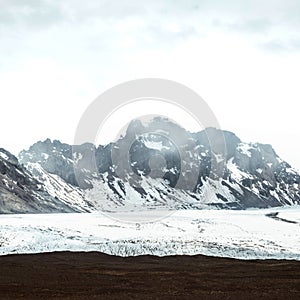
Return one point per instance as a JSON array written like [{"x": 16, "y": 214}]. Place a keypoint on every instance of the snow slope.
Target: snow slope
[{"x": 250, "y": 234}]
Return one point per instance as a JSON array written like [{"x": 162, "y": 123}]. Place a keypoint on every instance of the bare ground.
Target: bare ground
[{"x": 67, "y": 275}]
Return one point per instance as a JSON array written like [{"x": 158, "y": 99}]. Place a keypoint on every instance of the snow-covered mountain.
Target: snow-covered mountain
[
  {"x": 155, "y": 171},
  {"x": 31, "y": 189}
]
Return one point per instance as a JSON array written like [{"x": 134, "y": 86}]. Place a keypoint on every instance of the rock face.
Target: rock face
[
  {"x": 160, "y": 165},
  {"x": 33, "y": 190}
]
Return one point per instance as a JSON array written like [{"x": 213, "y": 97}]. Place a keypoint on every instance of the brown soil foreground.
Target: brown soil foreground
[{"x": 67, "y": 275}]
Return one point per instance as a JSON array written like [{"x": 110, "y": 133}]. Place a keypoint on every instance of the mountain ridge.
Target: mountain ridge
[{"x": 156, "y": 172}]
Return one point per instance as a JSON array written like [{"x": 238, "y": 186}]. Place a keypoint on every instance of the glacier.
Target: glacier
[{"x": 272, "y": 233}]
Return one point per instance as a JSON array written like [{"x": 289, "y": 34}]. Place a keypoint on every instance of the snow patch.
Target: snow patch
[
  {"x": 245, "y": 148},
  {"x": 4, "y": 156}
]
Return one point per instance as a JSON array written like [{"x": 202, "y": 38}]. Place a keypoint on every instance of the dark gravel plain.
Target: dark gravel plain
[{"x": 68, "y": 275}]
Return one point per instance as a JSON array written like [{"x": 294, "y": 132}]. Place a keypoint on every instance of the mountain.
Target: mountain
[
  {"x": 25, "y": 190},
  {"x": 159, "y": 165}
]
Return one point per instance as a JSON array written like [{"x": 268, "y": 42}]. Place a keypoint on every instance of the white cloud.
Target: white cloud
[{"x": 57, "y": 56}]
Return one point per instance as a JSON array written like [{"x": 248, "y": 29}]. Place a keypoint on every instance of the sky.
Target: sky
[{"x": 241, "y": 57}]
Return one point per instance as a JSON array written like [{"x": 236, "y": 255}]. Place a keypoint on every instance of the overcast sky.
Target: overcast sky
[{"x": 242, "y": 57}]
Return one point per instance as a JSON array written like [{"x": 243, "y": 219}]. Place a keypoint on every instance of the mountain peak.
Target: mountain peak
[{"x": 6, "y": 155}]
